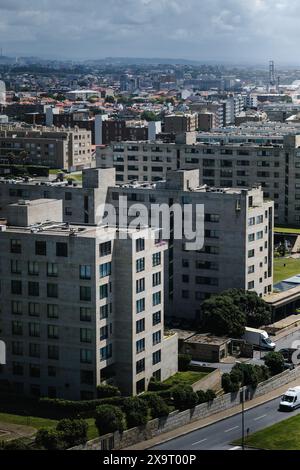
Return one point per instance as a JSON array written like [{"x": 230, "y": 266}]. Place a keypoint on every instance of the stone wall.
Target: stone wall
[{"x": 178, "y": 419}]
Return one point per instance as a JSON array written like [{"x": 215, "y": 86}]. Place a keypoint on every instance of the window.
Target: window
[
  {"x": 156, "y": 318},
  {"x": 17, "y": 348},
  {"x": 85, "y": 272},
  {"x": 105, "y": 248},
  {"x": 53, "y": 352},
  {"x": 251, "y": 269},
  {"x": 140, "y": 346},
  {"x": 106, "y": 352},
  {"x": 34, "y": 370},
  {"x": 251, "y": 285},
  {"x": 16, "y": 307},
  {"x": 185, "y": 294},
  {"x": 85, "y": 356},
  {"x": 52, "y": 270},
  {"x": 140, "y": 285},
  {"x": 85, "y": 293},
  {"x": 15, "y": 266},
  {"x": 140, "y": 305},
  {"x": 156, "y": 259},
  {"x": 18, "y": 368},
  {"x": 156, "y": 338},
  {"x": 33, "y": 268},
  {"x": 68, "y": 196},
  {"x": 51, "y": 371},
  {"x": 214, "y": 218},
  {"x": 156, "y": 298},
  {"x": 103, "y": 332},
  {"x": 157, "y": 375},
  {"x": 140, "y": 265},
  {"x": 156, "y": 357},
  {"x": 185, "y": 263},
  {"x": 16, "y": 287},
  {"x": 251, "y": 221},
  {"x": 17, "y": 328},
  {"x": 34, "y": 350},
  {"x": 34, "y": 309},
  {"x": 103, "y": 290},
  {"x": 260, "y": 219},
  {"x": 85, "y": 314},
  {"x": 156, "y": 279},
  {"x": 40, "y": 248},
  {"x": 140, "y": 326},
  {"x": 139, "y": 244},
  {"x": 85, "y": 335},
  {"x": 104, "y": 311},
  {"x": 61, "y": 249},
  {"x": 251, "y": 237},
  {"x": 105, "y": 269},
  {"x": 34, "y": 329},
  {"x": 52, "y": 332},
  {"x": 33, "y": 289},
  {"x": 251, "y": 253},
  {"x": 140, "y": 366},
  {"x": 52, "y": 291},
  {"x": 52, "y": 311},
  {"x": 185, "y": 278},
  {"x": 140, "y": 386},
  {"x": 15, "y": 246},
  {"x": 259, "y": 235}
]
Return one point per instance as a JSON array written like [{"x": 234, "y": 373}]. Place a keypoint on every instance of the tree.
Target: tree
[
  {"x": 184, "y": 362},
  {"x": 222, "y": 317},
  {"x": 74, "y": 431},
  {"x": 50, "y": 439},
  {"x": 228, "y": 385},
  {"x": 136, "y": 411},
  {"x": 109, "y": 418},
  {"x": 248, "y": 373},
  {"x": 275, "y": 362},
  {"x": 257, "y": 311},
  {"x": 210, "y": 395},
  {"x": 158, "y": 407},
  {"x": 149, "y": 116},
  {"x": 184, "y": 397}
]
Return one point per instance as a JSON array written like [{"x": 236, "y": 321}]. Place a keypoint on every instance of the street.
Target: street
[{"x": 220, "y": 435}]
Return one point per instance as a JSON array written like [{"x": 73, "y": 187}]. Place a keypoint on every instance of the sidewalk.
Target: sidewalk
[{"x": 201, "y": 423}]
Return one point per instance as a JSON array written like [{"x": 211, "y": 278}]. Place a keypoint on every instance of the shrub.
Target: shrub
[
  {"x": 50, "y": 439},
  {"x": 201, "y": 396},
  {"x": 107, "y": 391},
  {"x": 227, "y": 384},
  {"x": 158, "y": 407},
  {"x": 136, "y": 411},
  {"x": 275, "y": 362},
  {"x": 16, "y": 444},
  {"x": 184, "y": 397},
  {"x": 109, "y": 418},
  {"x": 184, "y": 362},
  {"x": 155, "y": 385},
  {"x": 74, "y": 431},
  {"x": 249, "y": 373}
]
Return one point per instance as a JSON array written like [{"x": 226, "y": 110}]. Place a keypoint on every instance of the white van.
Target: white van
[{"x": 291, "y": 399}]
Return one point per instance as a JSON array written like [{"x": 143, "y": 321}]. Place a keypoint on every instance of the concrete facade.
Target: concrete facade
[{"x": 79, "y": 307}]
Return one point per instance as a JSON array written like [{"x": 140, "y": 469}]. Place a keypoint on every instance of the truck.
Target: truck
[
  {"x": 290, "y": 400},
  {"x": 258, "y": 338}
]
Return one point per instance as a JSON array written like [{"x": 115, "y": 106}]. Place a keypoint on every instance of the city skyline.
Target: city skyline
[{"x": 224, "y": 31}]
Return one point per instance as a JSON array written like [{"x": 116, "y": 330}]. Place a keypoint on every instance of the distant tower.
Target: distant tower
[{"x": 272, "y": 80}]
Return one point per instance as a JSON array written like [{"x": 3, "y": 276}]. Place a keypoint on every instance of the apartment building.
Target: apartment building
[
  {"x": 238, "y": 240},
  {"x": 179, "y": 123},
  {"x": 68, "y": 149},
  {"x": 80, "y": 305},
  {"x": 276, "y": 167}
]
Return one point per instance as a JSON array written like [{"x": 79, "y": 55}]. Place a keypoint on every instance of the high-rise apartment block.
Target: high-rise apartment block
[{"x": 80, "y": 305}]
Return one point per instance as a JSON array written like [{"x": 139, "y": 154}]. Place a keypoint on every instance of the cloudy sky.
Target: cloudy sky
[{"x": 229, "y": 30}]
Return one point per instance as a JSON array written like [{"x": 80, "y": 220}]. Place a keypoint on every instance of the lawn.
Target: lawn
[
  {"x": 189, "y": 377},
  {"x": 286, "y": 230},
  {"x": 280, "y": 436},
  {"x": 285, "y": 268},
  {"x": 38, "y": 423}
]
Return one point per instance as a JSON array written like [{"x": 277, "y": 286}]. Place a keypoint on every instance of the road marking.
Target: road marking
[
  {"x": 231, "y": 429},
  {"x": 259, "y": 417},
  {"x": 199, "y": 442},
  {"x": 235, "y": 448}
]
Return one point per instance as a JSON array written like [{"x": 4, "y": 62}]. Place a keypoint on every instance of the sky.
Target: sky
[{"x": 245, "y": 31}]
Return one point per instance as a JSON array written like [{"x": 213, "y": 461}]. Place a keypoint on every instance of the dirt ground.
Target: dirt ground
[{"x": 10, "y": 431}]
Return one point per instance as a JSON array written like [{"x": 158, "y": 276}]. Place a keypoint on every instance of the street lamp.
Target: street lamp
[{"x": 243, "y": 418}]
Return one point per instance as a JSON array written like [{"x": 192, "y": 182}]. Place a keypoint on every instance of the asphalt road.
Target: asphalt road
[{"x": 220, "y": 435}]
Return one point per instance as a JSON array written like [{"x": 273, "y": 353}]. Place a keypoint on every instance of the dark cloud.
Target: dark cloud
[{"x": 248, "y": 30}]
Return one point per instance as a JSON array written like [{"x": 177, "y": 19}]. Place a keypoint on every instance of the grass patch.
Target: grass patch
[
  {"x": 285, "y": 268},
  {"x": 281, "y": 436},
  {"x": 286, "y": 230},
  {"x": 189, "y": 377},
  {"x": 38, "y": 423}
]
